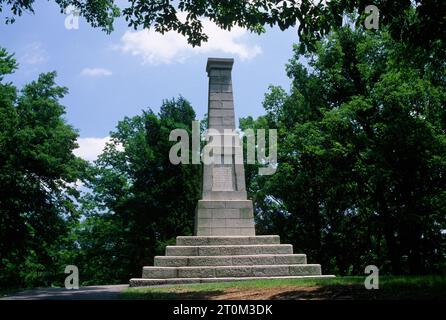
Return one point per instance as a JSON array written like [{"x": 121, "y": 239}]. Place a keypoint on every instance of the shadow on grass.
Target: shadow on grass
[
  {"x": 357, "y": 292},
  {"x": 341, "y": 288}
]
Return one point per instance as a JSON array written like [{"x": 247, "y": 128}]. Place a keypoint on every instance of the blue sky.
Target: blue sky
[{"x": 117, "y": 75}]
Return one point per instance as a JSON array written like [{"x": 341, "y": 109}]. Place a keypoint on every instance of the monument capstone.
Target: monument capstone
[{"x": 225, "y": 247}]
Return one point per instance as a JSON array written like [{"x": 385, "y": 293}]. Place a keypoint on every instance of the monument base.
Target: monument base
[
  {"x": 202, "y": 259},
  {"x": 224, "y": 218}
]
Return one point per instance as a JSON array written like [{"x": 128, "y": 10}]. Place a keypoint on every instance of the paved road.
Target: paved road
[{"x": 83, "y": 293}]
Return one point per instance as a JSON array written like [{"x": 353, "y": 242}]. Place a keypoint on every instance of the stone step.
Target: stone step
[
  {"x": 226, "y": 240},
  {"x": 229, "y": 250},
  {"x": 265, "y": 259},
  {"x": 231, "y": 271},
  {"x": 135, "y": 282}
]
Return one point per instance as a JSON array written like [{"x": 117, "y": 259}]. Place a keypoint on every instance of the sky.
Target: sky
[{"x": 113, "y": 76}]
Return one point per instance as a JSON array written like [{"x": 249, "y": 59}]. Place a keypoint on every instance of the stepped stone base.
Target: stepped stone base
[
  {"x": 202, "y": 259},
  {"x": 153, "y": 282},
  {"x": 234, "y": 240},
  {"x": 239, "y": 260}
]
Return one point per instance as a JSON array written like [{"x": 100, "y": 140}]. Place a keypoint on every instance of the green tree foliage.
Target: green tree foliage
[
  {"x": 423, "y": 26},
  {"x": 362, "y": 156},
  {"x": 99, "y": 13},
  {"x": 37, "y": 167},
  {"x": 141, "y": 201}
]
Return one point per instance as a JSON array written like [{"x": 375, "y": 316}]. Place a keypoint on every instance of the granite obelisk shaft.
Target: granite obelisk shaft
[{"x": 224, "y": 208}]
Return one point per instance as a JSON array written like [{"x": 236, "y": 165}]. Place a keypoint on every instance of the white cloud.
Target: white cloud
[
  {"x": 34, "y": 54},
  {"x": 78, "y": 184},
  {"x": 90, "y": 148},
  {"x": 96, "y": 72},
  {"x": 171, "y": 47}
]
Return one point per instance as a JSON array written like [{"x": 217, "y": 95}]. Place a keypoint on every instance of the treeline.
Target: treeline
[
  {"x": 362, "y": 156},
  {"x": 108, "y": 218},
  {"x": 360, "y": 179}
]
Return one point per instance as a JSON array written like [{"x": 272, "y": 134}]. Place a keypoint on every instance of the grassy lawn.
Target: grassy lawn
[{"x": 351, "y": 288}]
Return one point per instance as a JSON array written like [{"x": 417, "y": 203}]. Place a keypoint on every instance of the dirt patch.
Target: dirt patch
[
  {"x": 264, "y": 293},
  {"x": 293, "y": 293},
  {"x": 390, "y": 288},
  {"x": 334, "y": 292}
]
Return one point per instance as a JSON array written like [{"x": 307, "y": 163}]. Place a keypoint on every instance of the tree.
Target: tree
[
  {"x": 141, "y": 201},
  {"x": 37, "y": 169},
  {"x": 362, "y": 157},
  {"x": 422, "y": 27}
]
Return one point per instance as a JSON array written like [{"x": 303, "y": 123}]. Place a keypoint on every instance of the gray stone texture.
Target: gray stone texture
[
  {"x": 229, "y": 250},
  {"x": 152, "y": 282},
  {"x": 237, "y": 260},
  {"x": 214, "y": 259},
  {"x": 231, "y": 240},
  {"x": 223, "y": 182},
  {"x": 224, "y": 218},
  {"x": 231, "y": 271}
]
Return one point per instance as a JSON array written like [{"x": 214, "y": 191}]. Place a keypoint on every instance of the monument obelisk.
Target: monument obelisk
[
  {"x": 225, "y": 247},
  {"x": 224, "y": 209}
]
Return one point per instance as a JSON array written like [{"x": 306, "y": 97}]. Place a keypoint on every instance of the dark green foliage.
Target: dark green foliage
[
  {"x": 36, "y": 169},
  {"x": 419, "y": 23},
  {"x": 138, "y": 203},
  {"x": 144, "y": 201},
  {"x": 362, "y": 157}
]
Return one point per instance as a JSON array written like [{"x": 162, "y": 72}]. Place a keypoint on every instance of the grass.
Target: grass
[{"x": 390, "y": 288}]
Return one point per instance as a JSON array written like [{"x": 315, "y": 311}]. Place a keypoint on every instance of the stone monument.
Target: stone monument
[
  {"x": 225, "y": 247},
  {"x": 224, "y": 209}
]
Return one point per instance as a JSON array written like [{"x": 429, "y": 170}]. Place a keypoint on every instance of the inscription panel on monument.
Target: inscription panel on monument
[{"x": 222, "y": 179}]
